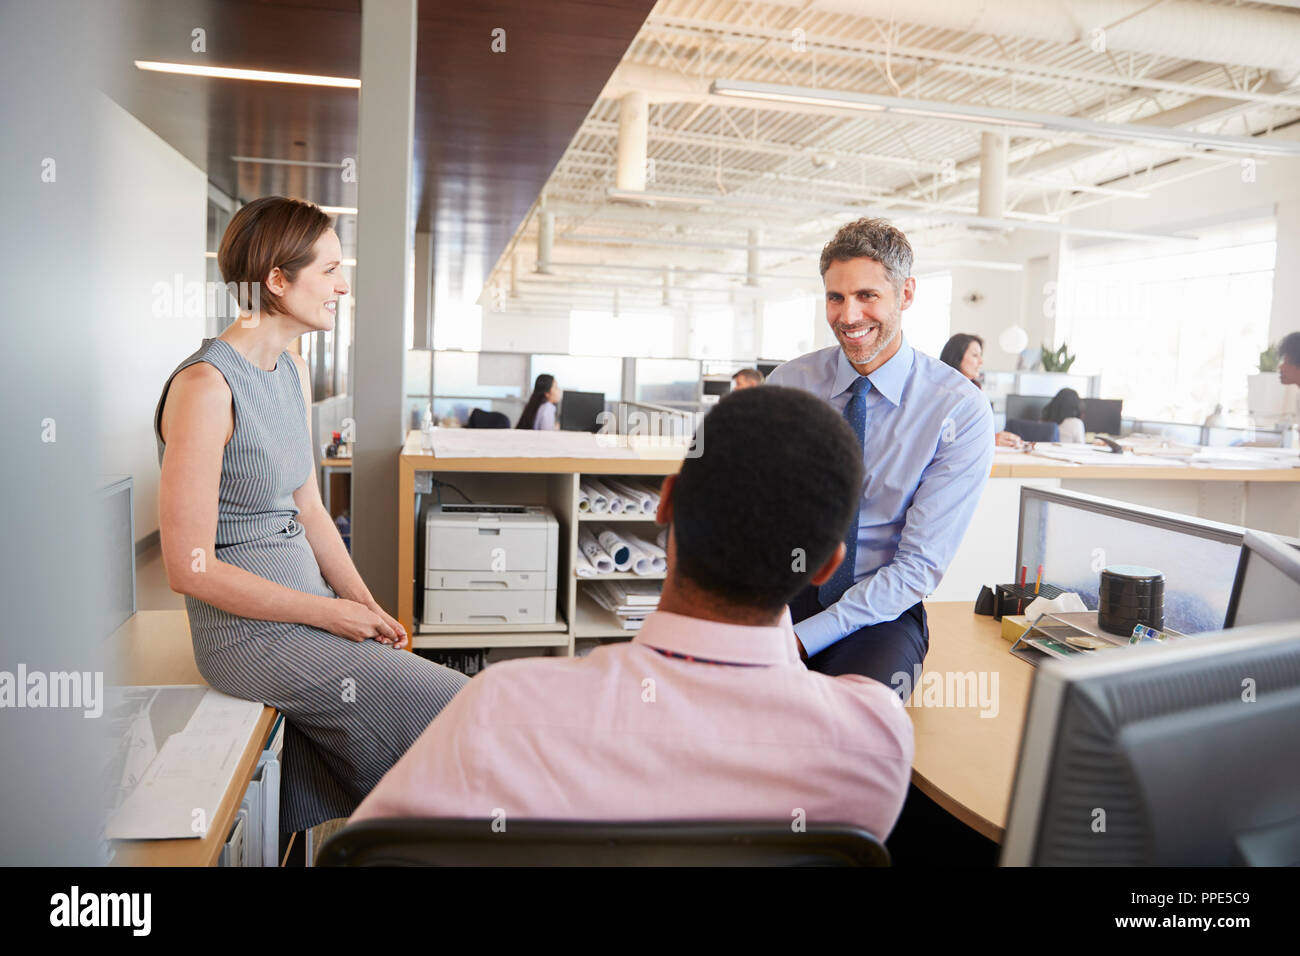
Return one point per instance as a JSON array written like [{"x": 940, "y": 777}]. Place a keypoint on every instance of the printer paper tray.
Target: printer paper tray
[{"x": 489, "y": 608}]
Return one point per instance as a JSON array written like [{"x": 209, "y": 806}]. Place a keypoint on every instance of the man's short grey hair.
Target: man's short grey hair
[{"x": 877, "y": 239}]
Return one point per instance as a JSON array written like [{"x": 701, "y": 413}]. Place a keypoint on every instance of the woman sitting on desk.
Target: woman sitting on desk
[
  {"x": 1066, "y": 409},
  {"x": 539, "y": 413},
  {"x": 277, "y": 610},
  {"x": 965, "y": 353}
]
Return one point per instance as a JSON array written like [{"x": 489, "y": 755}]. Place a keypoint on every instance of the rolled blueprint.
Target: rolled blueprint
[
  {"x": 584, "y": 499},
  {"x": 599, "y": 503},
  {"x": 639, "y": 499},
  {"x": 596, "y": 556},
  {"x": 661, "y": 539},
  {"x": 616, "y": 502},
  {"x": 642, "y": 561},
  {"x": 658, "y": 557},
  {"x": 583, "y": 567},
  {"x": 616, "y": 548}
]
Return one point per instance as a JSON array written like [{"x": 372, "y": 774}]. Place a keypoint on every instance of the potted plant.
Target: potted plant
[{"x": 1058, "y": 361}]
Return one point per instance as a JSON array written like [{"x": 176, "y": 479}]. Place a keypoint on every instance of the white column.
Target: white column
[
  {"x": 385, "y": 234},
  {"x": 633, "y": 131},
  {"x": 993, "y": 174}
]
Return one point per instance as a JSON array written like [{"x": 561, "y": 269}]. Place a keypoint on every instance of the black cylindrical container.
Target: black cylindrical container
[{"x": 1130, "y": 595}]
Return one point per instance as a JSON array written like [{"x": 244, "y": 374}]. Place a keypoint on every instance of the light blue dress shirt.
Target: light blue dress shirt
[
  {"x": 545, "y": 420},
  {"x": 927, "y": 450}
]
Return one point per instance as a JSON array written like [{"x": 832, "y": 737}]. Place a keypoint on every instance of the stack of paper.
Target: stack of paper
[{"x": 631, "y": 601}]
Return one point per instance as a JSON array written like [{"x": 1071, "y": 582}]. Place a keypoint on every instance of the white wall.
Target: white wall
[
  {"x": 156, "y": 209},
  {"x": 525, "y": 332}
]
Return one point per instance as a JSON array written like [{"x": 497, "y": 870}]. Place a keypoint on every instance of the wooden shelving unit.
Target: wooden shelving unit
[{"x": 552, "y": 482}]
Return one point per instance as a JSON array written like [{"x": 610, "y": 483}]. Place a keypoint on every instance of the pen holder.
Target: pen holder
[{"x": 1012, "y": 598}]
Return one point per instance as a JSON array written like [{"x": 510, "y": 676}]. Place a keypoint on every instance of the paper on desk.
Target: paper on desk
[
  {"x": 521, "y": 443},
  {"x": 1062, "y": 604},
  {"x": 177, "y": 793}
]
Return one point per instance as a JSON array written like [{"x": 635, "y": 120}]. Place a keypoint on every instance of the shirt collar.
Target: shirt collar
[
  {"x": 888, "y": 379},
  {"x": 711, "y": 640}
]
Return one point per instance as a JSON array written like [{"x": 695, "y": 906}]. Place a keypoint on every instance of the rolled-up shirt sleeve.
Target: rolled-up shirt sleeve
[{"x": 936, "y": 521}]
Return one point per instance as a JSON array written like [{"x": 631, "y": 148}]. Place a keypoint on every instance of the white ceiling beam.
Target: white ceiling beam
[{"x": 997, "y": 67}]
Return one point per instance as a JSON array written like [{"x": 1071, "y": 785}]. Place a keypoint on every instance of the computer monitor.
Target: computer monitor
[
  {"x": 1182, "y": 754},
  {"x": 1026, "y": 407},
  {"x": 1103, "y": 415},
  {"x": 717, "y": 386},
  {"x": 1266, "y": 589},
  {"x": 579, "y": 411},
  {"x": 767, "y": 368}
]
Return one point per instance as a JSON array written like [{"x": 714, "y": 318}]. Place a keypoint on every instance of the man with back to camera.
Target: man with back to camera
[
  {"x": 708, "y": 712},
  {"x": 927, "y": 445}
]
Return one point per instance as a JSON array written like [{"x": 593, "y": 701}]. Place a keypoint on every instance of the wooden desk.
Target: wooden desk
[
  {"x": 964, "y": 762},
  {"x": 153, "y": 647}
]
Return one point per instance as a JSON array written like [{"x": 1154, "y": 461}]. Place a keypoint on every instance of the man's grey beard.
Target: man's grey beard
[{"x": 898, "y": 329}]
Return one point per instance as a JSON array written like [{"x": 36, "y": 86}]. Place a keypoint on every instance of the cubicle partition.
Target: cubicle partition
[{"x": 1073, "y": 536}]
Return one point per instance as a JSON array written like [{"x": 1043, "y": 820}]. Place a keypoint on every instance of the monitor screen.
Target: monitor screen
[
  {"x": 1026, "y": 407},
  {"x": 579, "y": 411},
  {"x": 717, "y": 387},
  {"x": 1267, "y": 586},
  {"x": 1103, "y": 415}
]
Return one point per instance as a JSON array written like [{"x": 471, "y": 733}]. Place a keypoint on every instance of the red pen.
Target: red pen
[{"x": 1020, "y": 605}]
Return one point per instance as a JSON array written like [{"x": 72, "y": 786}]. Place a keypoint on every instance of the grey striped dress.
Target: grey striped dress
[{"x": 351, "y": 708}]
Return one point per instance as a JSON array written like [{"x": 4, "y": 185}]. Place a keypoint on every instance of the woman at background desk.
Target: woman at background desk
[
  {"x": 1066, "y": 409},
  {"x": 965, "y": 353},
  {"x": 539, "y": 413}
]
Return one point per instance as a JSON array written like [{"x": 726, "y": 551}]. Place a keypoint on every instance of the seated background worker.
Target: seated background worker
[
  {"x": 539, "y": 412},
  {"x": 746, "y": 378},
  {"x": 1066, "y": 409},
  {"x": 927, "y": 441},
  {"x": 965, "y": 353},
  {"x": 1288, "y": 359},
  {"x": 708, "y": 712}
]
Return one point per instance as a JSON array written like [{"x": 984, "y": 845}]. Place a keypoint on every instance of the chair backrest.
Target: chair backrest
[
  {"x": 1034, "y": 431},
  {"x": 459, "y": 842},
  {"x": 479, "y": 418}
]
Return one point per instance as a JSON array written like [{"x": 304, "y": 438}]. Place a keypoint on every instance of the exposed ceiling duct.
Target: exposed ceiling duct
[{"x": 1183, "y": 29}]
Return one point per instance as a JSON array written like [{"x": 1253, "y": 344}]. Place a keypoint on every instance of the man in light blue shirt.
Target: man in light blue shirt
[{"x": 927, "y": 445}]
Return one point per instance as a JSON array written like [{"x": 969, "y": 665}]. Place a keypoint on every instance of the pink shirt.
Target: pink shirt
[{"x": 627, "y": 733}]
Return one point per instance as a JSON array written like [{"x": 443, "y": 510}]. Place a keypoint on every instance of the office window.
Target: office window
[
  {"x": 1173, "y": 329},
  {"x": 640, "y": 334},
  {"x": 667, "y": 381},
  {"x": 711, "y": 333},
  {"x": 788, "y": 327},
  {"x": 580, "y": 373},
  {"x": 928, "y": 322},
  {"x": 456, "y": 325},
  {"x": 460, "y": 374}
]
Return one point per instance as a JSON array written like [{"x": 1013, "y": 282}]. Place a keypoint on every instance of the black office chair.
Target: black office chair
[
  {"x": 1034, "y": 431},
  {"x": 446, "y": 842},
  {"x": 479, "y": 418}
]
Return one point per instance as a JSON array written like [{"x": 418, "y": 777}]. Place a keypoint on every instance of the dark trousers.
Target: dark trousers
[{"x": 878, "y": 651}]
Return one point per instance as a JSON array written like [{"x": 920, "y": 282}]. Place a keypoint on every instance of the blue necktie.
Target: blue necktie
[{"x": 855, "y": 413}]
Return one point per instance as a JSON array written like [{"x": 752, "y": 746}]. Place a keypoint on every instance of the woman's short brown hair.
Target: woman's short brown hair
[{"x": 270, "y": 232}]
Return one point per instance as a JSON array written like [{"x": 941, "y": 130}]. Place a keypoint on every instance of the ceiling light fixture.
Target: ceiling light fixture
[
  {"x": 990, "y": 116},
  {"x": 235, "y": 73}
]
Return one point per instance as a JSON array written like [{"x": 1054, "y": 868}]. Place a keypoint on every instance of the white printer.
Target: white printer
[{"x": 490, "y": 564}]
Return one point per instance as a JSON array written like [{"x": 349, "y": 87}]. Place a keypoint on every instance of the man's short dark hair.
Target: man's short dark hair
[
  {"x": 763, "y": 507},
  {"x": 1290, "y": 347},
  {"x": 752, "y": 375}
]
